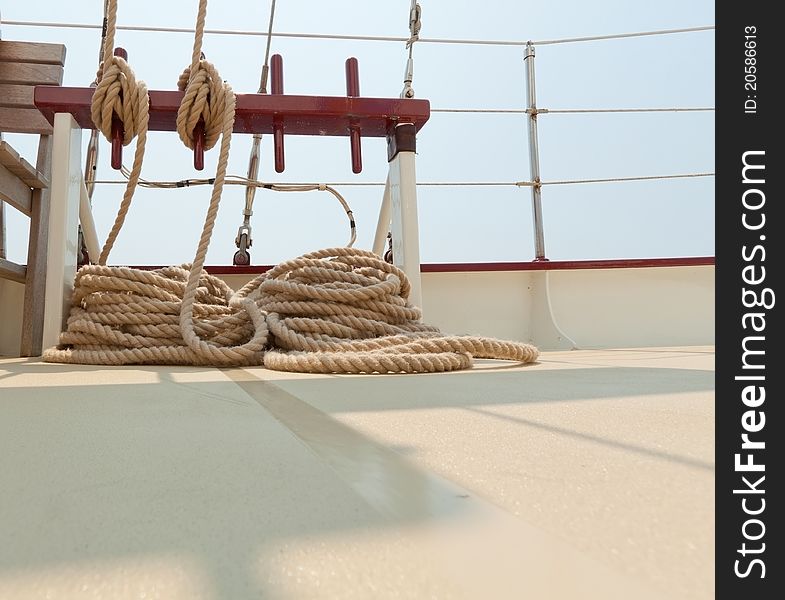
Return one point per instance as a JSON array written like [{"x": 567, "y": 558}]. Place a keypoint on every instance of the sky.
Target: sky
[{"x": 457, "y": 224}]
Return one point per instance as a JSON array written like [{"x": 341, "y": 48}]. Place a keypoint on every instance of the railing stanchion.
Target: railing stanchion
[{"x": 534, "y": 154}]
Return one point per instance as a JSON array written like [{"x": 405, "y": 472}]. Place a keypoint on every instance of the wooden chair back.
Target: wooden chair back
[{"x": 24, "y": 65}]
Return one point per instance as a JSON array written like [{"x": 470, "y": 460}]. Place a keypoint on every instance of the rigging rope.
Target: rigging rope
[
  {"x": 415, "y": 24},
  {"x": 253, "y": 183},
  {"x": 266, "y": 65},
  {"x": 339, "y": 310},
  {"x": 368, "y": 38},
  {"x": 556, "y": 111},
  {"x": 119, "y": 93},
  {"x": 330, "y": 187},
  {"x": 244, "y": 241}
]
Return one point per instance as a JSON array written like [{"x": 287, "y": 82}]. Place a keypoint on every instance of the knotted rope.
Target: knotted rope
[
  {"x": 339, "y": 310},
  {"x": 207, "y": 96},
  {"x": 119, "y": 93}
]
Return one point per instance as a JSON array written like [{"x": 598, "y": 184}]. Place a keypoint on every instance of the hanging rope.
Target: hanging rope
[
  {"x": 119, "y": 93},
  {"x": 209, "y": 98},
  {"x": 339, "y": 310}
]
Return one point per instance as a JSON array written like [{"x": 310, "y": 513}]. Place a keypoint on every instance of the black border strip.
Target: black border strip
[{"x": 748, "y": 37}]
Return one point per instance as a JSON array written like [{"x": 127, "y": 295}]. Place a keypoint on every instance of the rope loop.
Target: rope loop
[
  {"x": 415, "y": 23},
  {"x": 205, "y": 98},
  {"x": 119, "y": 92}
]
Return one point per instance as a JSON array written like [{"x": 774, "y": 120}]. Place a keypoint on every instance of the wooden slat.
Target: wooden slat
[
  {"x": 11, "y": 270},
  {"x": 24, "y": 120},
  {"x": 16, "y": 96},
  {"x": 14, "y": 191},
  {"x": 29, "y": 74},
  {"x": 20, "y": 167},
  {"x": 3, "y": 241},
  {"x": 32, "y": 52}
]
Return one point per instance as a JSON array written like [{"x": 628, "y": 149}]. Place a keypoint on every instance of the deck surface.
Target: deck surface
[{"x": 587, "y": 475}]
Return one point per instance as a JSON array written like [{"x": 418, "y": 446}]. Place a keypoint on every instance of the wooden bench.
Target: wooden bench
[{"x": 25, "y": 187}]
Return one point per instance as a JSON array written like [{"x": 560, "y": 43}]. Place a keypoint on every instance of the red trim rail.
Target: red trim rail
[
  {"x": 568, "y": 265},
  {"x": 552, "y": 265},
  {"x": 260, "y": 113}
]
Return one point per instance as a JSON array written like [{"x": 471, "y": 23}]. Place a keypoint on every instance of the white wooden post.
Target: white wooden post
[
  {"x": 89, "y": 233},
  {"x": 383, "y": 224},
  {"x": 62, "y": 249},
  {"x": 403, "y": 206}
]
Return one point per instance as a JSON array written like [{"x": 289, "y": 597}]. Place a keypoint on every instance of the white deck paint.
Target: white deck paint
[
  {"x": 659, "y": 306},
  {"x": 594, "y": 308},
  {"x": 587, "y": 475}
]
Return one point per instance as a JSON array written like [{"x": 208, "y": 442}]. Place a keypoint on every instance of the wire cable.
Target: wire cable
[
  {"x": 279, "y": 186},
  {"x": 554, "y": 111},
  {"x": 366, "y": 38}
]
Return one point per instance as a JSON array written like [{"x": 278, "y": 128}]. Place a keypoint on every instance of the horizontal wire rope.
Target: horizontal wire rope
[
  {"x": 367, "y": 38},
  {"x": 622, "y": 179},
  {"x": 553, "y": 111},
  {"x": 242, "y": 181},
  {"x": 448, "y": 110}
]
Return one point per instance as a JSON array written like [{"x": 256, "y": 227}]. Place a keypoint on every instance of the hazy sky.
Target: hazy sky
[{"x": 641, "y": 219}]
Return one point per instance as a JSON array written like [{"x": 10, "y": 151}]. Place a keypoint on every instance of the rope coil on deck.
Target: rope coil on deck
[
  {"x": 338, "y": 310},
  {"x": 128, "y": 316}
]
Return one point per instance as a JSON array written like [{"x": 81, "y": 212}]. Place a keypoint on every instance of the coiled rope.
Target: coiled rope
[{"x": 338, "y": 310}]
